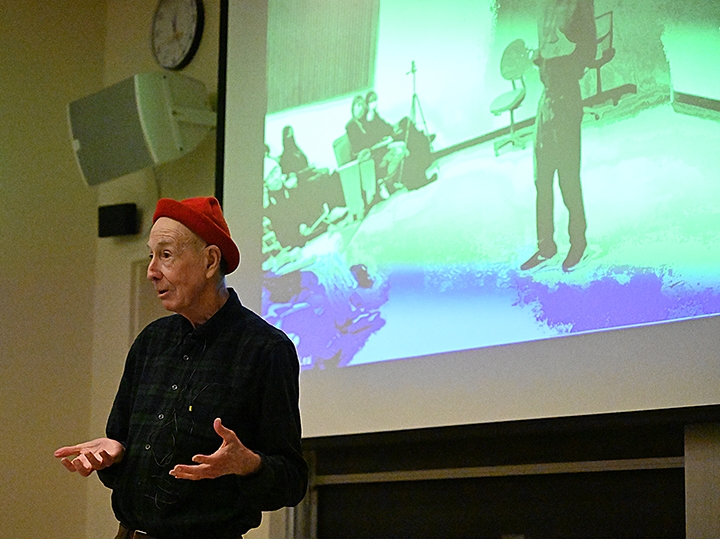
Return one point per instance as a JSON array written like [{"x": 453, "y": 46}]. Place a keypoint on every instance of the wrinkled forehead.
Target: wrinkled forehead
[{"x": 168, "y": 231}]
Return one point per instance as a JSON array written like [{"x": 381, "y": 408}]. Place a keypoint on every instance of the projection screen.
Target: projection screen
[{"x": 474, "y": 211}]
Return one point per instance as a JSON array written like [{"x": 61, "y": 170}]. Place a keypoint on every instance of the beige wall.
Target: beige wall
[{"x": 50, "y": 54}]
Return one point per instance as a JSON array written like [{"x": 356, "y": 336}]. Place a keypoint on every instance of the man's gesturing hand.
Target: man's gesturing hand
[
  {"x": 90, "y": 456},
  {"x": 232, "y": 458}
]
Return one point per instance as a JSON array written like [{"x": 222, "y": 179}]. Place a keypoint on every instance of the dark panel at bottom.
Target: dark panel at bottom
[{"x": 630, "y": 504}]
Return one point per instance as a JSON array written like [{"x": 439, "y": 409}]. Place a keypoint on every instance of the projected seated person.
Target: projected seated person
[
  {"x": 294, "y": 161},
  {"x": 566, "y": 47},
  {"x": 419, "y": 158},
  {"x": 292, "y": 158},
  {"x": 417, "y": 155},
  {"x": 377, "y": 129},
  {"x": 276, "y": 185},
  {"x": 300, "y": 207},
  {"x": 372, "y": 137}
]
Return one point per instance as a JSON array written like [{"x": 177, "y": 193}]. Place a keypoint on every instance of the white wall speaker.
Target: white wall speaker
[{"x": 146, "y": 120}]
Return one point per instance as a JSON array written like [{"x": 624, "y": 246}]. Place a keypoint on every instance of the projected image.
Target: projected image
[{"x": 445, "y": 176}]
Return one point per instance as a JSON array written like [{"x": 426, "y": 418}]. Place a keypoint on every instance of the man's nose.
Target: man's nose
[{"x": 152, "y": 271}]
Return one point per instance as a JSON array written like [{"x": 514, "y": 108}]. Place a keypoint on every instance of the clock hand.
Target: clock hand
[{"x": 176, "y": 34}]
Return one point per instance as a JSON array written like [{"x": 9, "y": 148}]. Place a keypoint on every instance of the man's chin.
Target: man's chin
[{"x": 166, "y": 301}]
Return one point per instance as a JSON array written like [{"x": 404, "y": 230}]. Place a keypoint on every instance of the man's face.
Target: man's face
[{"x": 177, "y": 265}]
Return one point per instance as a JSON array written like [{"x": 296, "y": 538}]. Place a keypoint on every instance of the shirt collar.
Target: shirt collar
[{"x": 218, "y": 321}]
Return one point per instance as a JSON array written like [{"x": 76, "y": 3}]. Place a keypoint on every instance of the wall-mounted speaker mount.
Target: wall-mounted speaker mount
[{"x": 148, "y": 119}]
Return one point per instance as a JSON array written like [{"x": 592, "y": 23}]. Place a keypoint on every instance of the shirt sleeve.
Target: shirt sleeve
[
  {"x": 119, "y": 420},
  {"x": 282, "y": 479}
]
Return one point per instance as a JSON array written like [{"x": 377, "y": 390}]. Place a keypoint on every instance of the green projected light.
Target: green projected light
[{"x": 444, "y": 176}]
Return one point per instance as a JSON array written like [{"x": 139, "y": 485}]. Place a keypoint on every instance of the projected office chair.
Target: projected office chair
[
  {"x": 605, "y": 53},
  {"x": 356, "y": 177},
  {"x": 514, "y": 63}
]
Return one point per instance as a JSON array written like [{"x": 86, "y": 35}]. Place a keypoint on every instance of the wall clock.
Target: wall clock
[{"x": 176, "y": 32}]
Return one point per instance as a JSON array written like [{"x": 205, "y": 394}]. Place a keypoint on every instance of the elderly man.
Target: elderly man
[{"x": 204, "y": 433}]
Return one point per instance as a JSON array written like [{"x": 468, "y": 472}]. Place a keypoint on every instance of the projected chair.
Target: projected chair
[
  {"x": 356, "y": 177},
  {"x": 605, "y": 53},
  {"x": 341, "y": 148},
  {"x": 514, "y": 63}
]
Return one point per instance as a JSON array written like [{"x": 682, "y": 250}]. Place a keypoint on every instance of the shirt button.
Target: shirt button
[
  {"x": 147, "y": 447},
  {"x": 174, "y": 387},
  {"x": 161, "y": 416},
  {"x": 186, "y": 357}
]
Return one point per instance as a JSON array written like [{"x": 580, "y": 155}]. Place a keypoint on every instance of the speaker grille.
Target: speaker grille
[{"x": 107, "y": 134}]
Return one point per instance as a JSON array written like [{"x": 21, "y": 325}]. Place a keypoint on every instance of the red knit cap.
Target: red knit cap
[{"x": 203, "y": 216}]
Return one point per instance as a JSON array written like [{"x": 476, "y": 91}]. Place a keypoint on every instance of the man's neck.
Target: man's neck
[{"x": 209, "y": 305}]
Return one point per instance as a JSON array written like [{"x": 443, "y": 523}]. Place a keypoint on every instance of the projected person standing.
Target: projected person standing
[{"x": 566, "y": 45}]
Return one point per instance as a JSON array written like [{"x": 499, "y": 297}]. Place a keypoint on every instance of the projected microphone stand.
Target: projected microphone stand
[
  {"x": 415, "y": 108},
  {"x": 415, "y": 105}
]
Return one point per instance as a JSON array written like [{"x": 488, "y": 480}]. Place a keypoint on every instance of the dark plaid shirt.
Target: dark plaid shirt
[{"x": 177, "y": 380}]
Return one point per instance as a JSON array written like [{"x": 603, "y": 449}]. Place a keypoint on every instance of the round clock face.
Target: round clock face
[{"x": 176, "y": 31}]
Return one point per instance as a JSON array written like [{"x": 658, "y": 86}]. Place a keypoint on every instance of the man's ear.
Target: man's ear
[{"x": 213, "y": 257}]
